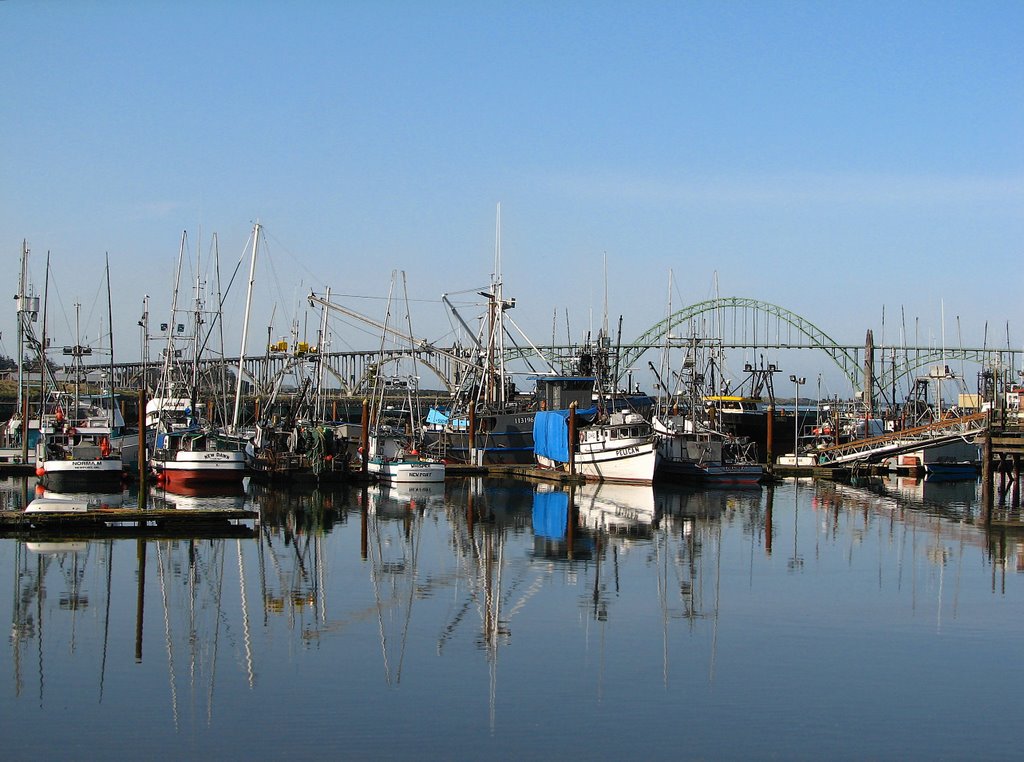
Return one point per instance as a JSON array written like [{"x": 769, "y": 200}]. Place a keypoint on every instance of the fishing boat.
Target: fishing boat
[
  {"x": 394, "y": 441},
  {"x": 487, "y": 420},
  {"x": 187, "y": 448},
  {"x": 707, "y": 457},
  {"x": 395, "y": 453},
  {"x": 617, "y": 446},
  {"x": 620, "y": 448},
  {"x": 74, "y": 450},
  {"x": 80, "y": 438}
]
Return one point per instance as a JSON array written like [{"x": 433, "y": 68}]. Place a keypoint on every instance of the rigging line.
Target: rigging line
[
  {"x": 167, "y": 635},
  {"x": 376, "y": 593},
  {"x": 216, "y": 639},
  {"x": 412, "y": 590},
  {"x": 249, "y": 666},
  {"x": 106, "y": 617}
]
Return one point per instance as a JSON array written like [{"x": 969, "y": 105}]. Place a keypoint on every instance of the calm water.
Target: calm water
[{"x": 810, "y": 620}]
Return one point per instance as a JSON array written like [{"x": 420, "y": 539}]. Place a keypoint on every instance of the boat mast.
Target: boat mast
[
  {"x": 44, "y": 368},
  {"x": 76, "y": 362},
  {"x": 379, "y": 382},
  {"x": 320, "y": 405},
  {"x": 110, "y": 324},
  {"x": 197, "y": 322},
  {"x": 245, "y": 326},
  {"x": 498, "y": 309},
  {"x": 166, "y": 384},
  {"x": 23, "y": 315}
]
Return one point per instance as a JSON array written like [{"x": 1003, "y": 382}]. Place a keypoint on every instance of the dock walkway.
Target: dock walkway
[{"x": 133, "y": 522}]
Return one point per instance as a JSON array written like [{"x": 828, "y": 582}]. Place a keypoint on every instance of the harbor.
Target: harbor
[{"x": 511, "y": 381}]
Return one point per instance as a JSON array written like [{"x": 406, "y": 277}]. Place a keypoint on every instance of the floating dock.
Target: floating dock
[{"x": 129, "y": 522}]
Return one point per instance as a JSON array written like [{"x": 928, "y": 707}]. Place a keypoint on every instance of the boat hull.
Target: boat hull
[
  {"x": 501, "y": 439},
  {"x": 213, "y": 467},
  {"x": 709, "y": 473},
  {"x": 407, "y": 472},
  {"x": 630, "y": 464},
  {"x": 73, "y": 474}
]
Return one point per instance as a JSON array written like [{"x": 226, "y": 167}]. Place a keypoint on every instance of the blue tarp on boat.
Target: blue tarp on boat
[
  {"x": 438, "y": 416},
  {"x": 551, "y": 432},
  {"x": 550, "y": 514}
]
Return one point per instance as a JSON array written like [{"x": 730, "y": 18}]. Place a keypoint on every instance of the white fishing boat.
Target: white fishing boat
[
  {"x": 80, "y": 434},
  {"x": 620, "y": 448},
  {"x": 395, "y": 439},
  {"x": 394, "y": 445}
]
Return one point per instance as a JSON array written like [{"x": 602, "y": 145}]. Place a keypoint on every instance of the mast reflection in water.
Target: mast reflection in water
[{"x": 505, "y": 618}]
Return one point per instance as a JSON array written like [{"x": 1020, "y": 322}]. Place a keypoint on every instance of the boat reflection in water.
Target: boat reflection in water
[
  {"x": 92, "y": 500},
  {"x": 617, "y": 508},
  {"x": 416, "y": 495},
  {"x": 187, "y": 497},
  {"x": 631, "y": 601}
]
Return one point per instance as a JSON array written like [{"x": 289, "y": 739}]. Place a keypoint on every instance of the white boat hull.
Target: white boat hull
[
  {"x": 407, "y": 472},
  {"x": 631, "y": 463}
]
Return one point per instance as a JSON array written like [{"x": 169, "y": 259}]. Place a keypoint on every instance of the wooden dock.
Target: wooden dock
[
  {"x": 129, "y": 522},
  {"x": 1002, "y": 452}
]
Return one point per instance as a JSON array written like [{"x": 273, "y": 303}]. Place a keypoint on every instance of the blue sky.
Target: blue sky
[{"x": 835, "y": 159}]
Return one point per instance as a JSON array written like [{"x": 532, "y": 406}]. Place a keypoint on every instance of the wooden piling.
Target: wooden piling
[
  {"x": 986, "y": 474},
  {"x": 140, "y": 596},
  {"x": 364, "y": 437},
  {"x": 572, "y": 439},
  {"x": 143, "y": 455},
  {"x": 768, "y": 449},
  {"x": 472, "y": 435},
  {"x": 1016, "y": 480}
]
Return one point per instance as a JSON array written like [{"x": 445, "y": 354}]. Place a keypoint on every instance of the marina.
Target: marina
[{"x": 511, "y": 381}]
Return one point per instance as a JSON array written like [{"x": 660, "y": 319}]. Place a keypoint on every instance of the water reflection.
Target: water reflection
[{"x": 635, "y": 598}]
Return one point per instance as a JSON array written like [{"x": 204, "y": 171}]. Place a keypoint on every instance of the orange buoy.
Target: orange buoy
[{"x": 40, "y": 471}]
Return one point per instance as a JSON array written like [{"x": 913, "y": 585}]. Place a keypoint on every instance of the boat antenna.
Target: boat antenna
[{"x": 604, "y": 320}]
